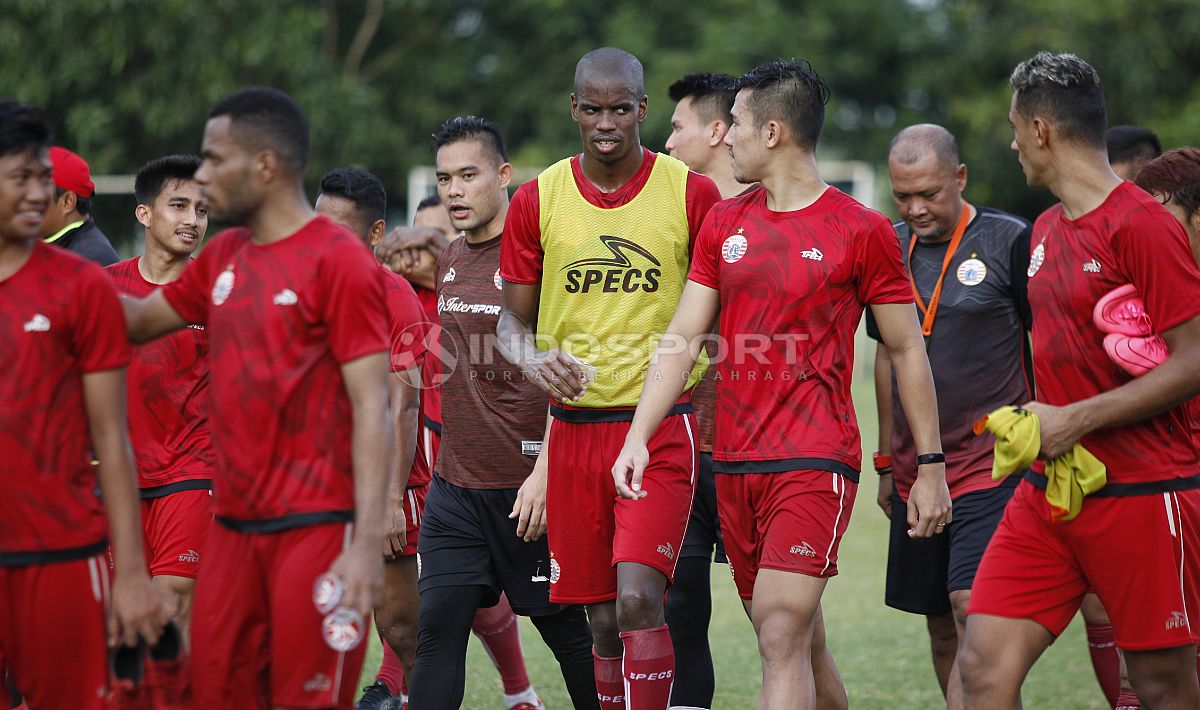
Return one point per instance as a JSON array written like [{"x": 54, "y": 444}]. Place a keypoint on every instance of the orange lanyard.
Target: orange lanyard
[{"x": 930, "y": 311}]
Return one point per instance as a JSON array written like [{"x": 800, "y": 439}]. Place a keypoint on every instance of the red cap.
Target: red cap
[{"x": 71, "y": 172}]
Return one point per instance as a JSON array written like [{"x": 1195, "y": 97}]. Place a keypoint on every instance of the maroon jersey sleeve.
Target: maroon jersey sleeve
[
  {"x": 702, "y": 194},
  {"x": 99, "y": 337},
  {"x": 878, "y": 268},
  {"x": 1153, "y": 252},
  {"x": 353, "y": 304},
  {"x": 191, "y": 294},
  {"x": 704, "y": 270},
  {"x": 407, "y": 323},
  {"x": 521, "y": 249}
]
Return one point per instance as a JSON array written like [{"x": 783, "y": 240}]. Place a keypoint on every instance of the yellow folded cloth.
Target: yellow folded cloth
[{"x": 1069, "y": 477}]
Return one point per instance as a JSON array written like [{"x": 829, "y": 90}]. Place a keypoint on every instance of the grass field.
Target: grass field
[{"x": 882, "y": 653}]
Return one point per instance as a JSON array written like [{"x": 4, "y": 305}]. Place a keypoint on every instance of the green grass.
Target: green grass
[{"x": 882, "y": 653}]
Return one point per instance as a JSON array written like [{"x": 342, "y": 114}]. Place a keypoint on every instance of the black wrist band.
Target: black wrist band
[
  {"x": 885, "y": 471},
  {"x": 923, "y": 459}
]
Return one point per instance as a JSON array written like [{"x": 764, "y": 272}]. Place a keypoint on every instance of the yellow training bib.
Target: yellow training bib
[{"x": 612, "y": 277}]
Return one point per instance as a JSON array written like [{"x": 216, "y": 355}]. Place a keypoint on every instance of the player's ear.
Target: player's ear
[
  {"x": 266, "y": 165},
  {"x": 69, "y": 200},
  {"x": 376, "y": 232},
  {"x": 642, "y": 108},
  {"x": 960, "y": 176},
  {"x": 506, "y": 172},
  {"x": 773, "y": 133},
  {"x": 574, "y": 108},
  {"x": 1041, "y": 130},
  {"x": 142, "y": 212},
  {"x": 716, "y": 133}
]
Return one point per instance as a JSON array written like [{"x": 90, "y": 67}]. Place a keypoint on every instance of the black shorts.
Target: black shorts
[
  {"x": 468, "y": 539},
  {"x": 703, "y": 537},
  {"x": 921, "y": 572}
]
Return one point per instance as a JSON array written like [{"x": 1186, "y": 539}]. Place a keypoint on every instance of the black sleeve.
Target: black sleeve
[
  {"x": 1019, "y": 266},
  {"x": 872, "y": 327},
  {"x": 98, "y": 249}
]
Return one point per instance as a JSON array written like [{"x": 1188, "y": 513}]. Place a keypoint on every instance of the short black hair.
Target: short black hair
[
  {"x": 1127, "y": 143},
  {"x": 712, "y": 95},
  {"x": 1065, "y": 89},
  {"x": 359, "y": 186},
  {"x": 266, "y": 117},
  {"x": 154, "y": 175},
  {"x": 431, "y": 201},
  {"x": 463, "y": 128},
  {"x": 788, "y": 91},
  {"x": 22, "y": 127}
]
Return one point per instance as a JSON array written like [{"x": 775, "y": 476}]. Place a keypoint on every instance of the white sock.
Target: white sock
[{"x": 525, "y": 696}]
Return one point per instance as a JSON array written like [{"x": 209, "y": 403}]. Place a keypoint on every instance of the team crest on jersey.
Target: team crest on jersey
[
  {"x": 497, "y": 280},
  {"x": 972, "y": 272},
  {"x": 555, "y": 571},
  {"x": 223, "y": 286},
  {"x": 1036, "y": 259},
  {"x": 734, "y": 248}
]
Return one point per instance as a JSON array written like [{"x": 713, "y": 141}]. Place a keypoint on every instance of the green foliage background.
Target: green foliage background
[{"x": 127, "y": 80}]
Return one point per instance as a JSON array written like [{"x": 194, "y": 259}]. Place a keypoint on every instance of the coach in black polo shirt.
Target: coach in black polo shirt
[{"x": 967, "y": 265}]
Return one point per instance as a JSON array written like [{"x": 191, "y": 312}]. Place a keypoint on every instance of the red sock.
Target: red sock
[
  {"x": 391, "y": 671},
  {"x": 497, "y": 628},
  {"x": 1127, "y": 700},
  {"x": 610, "y": 685},
  {"x": 649, "y": 668},
  {"x": 1106, "y": 662}
]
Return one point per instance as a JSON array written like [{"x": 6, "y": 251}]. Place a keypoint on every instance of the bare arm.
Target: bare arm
[
  {"x": 136, "y": 605},
  {"x": 552, "y": 370},
  {"x": 929, "y": 499},
  {"x": 150, "y": 317},
  {"x": 404, "y": 393},
  {"x": 530, "y": 506},
  {"x": 360, "y": 566},
  {"x": 673, "y": 361},
  {"x": 1170, "y": 384},
  {"x": 883, "y": 409}
]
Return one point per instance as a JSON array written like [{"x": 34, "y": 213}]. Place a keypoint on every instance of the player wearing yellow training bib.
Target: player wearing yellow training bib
[{"x": 594, "y": 259}]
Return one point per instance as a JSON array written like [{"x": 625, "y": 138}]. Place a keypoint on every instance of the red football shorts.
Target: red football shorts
[
  {"x": 590, "y": 529},
  {"x": 51, "y": 613},
  {"x": 256, "y": 635},
  {"x": 174, "y": 528},
  {"x": 414, "y": 510},
  {"x": 1140, "y": 554},
  {"x": 791, "y": 522}
]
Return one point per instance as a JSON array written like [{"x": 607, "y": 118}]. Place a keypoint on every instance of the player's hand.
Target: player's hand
[
  {"x": 929, "y": 502},
  {"x": 627, "y": 471},
  {"x": 361, "y": 570},
  {"x": 137, "y": 610},
  {"x": 556, "y": 373},
  {"x": 400, "y": 249},
  {"x": 1060, "y": 431},
  {"x": 396, "y": 537},
  {"x": 884, "y": 496},
  {"x": 530, "y": 507}
]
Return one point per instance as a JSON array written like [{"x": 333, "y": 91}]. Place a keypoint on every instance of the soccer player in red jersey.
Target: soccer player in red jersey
[
  {"x": 1134, "y": 542},
  {"x": 62, "y": 340},
  {"x": 791, "y": 266},
  {"x": 296, "y": 317},
  {"x": 594, "y": 257},
  {"x": 357, "y": 200},
  {"x": 167, "y": 387}
]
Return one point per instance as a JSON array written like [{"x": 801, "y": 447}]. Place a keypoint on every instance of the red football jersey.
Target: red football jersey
[
  {"x": 793, "y": 286},
  {"x": 409, "y": 333},
  {"x": 431, "y": 381},
  {"x": 1129, "y": 239},
  {"x": 60, "y": 318},
  {"x": 282, "y": 318},
  {"x": 167, "y": 384}
]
